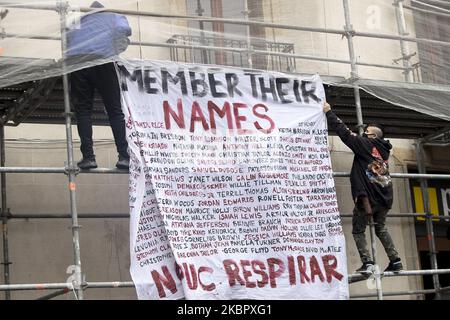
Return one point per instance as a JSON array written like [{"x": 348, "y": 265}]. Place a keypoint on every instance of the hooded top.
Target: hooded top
[
  {"x": 102, "y": 34},
  {"x": 370, "y": 171}
]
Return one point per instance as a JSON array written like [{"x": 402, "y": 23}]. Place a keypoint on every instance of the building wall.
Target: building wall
[
  {"x": 374, "y": 16},
  {"x": 41, "y": 250}
]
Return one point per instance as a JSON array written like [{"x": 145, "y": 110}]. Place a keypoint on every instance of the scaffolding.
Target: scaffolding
[{"x": 71, "y": 170}]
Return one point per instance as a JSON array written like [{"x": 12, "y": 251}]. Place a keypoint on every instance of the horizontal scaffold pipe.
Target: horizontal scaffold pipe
[
  {"x": 114, "y": 170},
  {"x": 267, "y": 53},
  {"x": 398, "y": 293},
  {"x": 305, "y": 57},
  {"x": 214, "y": 48},
  {"x": 67, "y": 216},
  {"x": 117, "y": 284},
  {"x": 28, "y": 36},
  {"x": 57, "y": 170},
  {"x": 126, "y": 215},
  {"x": 405, "y": 175},
  {"x": 27, "y": 6},
  {"x": 130, "y": 284},
  {"x": 36, "y": 286},
  {"x": 51, "y": 286},
  {"x": 32, "y": 170},
  {"x": 235, "y": 21},
  {"x": 406, "y": 273},
  {"x": 105, "y": 170},
  {"x": 404, "y": 215},
  {"x": 441, "y": 14}
]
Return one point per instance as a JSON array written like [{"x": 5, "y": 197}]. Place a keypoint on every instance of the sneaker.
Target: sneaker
[
  {"x": 366, "y": 267},
  {"x": 394, "y": 266},
  {"x": 87, "y": 163},
  {"x": 123, "y": 163}
]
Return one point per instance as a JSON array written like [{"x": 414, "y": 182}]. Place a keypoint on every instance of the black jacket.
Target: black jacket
[{"x": 369, "y": 175}]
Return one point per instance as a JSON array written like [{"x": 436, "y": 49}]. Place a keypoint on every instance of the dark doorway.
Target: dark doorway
[{"x": 443, "y": 260}]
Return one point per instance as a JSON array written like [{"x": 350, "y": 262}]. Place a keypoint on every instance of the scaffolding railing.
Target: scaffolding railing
[
  {"x": 67, "y": 287},
  {"x": 62, "y": 7},
  {"x": 239, "y": 50}
]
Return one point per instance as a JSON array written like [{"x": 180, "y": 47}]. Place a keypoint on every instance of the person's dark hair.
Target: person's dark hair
[
  {"x": 97, "y": 4},
  {"x": 379, "y": 126}
]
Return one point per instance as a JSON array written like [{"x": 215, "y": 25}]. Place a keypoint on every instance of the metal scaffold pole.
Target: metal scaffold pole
[
  {"x": 206, "y": 48},
  {"x": 349, "y": 33},
  {"x": 201, "y": 26},
  {"x": 239, "y": 22},
  {"x": 71, "y": 170},
  {"x": 420, "y": 158},
  {"x": 4, "y": 215},
  {"x": 249, "y": 39},
  {"x": 401, "y": 26}
]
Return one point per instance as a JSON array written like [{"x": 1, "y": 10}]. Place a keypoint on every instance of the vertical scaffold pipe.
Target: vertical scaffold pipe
[
  {"x": 4, "y": 217},
  {"x": 201, "y": 26},
  {"x": 376, "y": 272},
  {"x": 349, "y": 32},
  {"x": 401, "y": 26},
  {"x": 249, "y": 39},
  {"x": 420, "y": 158},
  {"x": 63, "y": 8}
]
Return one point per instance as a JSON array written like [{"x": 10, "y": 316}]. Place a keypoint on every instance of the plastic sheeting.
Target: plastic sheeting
[
  {"x": 429, "y": 99},
  {"x": 304, "y": 36}
]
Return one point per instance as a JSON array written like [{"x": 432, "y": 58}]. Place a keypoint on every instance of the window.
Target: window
[{"x": 226, "y": 35}]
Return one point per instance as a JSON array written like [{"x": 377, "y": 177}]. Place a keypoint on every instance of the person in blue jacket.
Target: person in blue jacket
[{"x": 98, "y": 35}]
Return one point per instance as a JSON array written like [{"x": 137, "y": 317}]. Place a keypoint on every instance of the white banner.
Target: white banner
[{"x": 231, "y": 187}]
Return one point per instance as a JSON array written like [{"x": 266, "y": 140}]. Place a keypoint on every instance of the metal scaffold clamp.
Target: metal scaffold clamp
[
  {"x": 76, "y": 227},
  {"x": 68, "y": 114},
  {"x": 3, "y": 14},
  {"x": 405, "y": 57},
  {"x": 410, "y": 69},
  {"x": 348, "y": 32},
  {"x": 371, "y": 221},
  {"x": 251, "y": 50},
  {"x": 352, "y": 79},
  {"x": 7, "y": 214},
  {"x": 82, "y": 283},
  {"x": 74, "y": 170},
  {"x": 79, "y": 285},
  {"x": 62, "y": 7}
]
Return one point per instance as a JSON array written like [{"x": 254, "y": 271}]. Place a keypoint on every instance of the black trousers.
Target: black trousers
[
  {"x": 361, "y": 220},
  {"x": 83, "y": 84}
]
